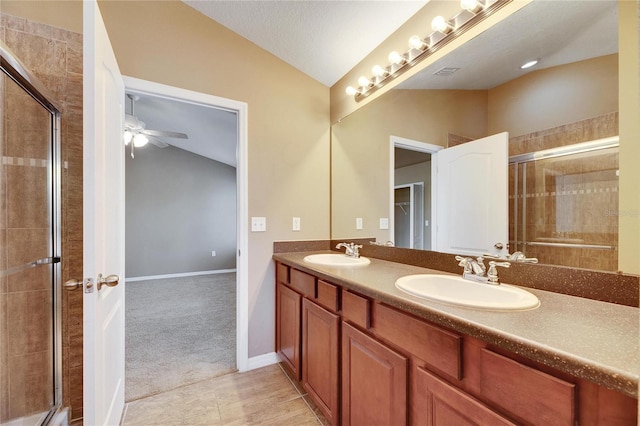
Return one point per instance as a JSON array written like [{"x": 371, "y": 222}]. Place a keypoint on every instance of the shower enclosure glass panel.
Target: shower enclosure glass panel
[
  {"x": 564, "y": 209},
  {"x": 29, "y": 254}
]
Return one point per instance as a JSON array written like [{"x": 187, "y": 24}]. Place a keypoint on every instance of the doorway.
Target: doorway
[
  {"x": 198, "y": 268},
  {"x": 412, "y": 180}
]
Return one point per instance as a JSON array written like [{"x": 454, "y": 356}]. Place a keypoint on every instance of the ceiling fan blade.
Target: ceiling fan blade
[
  {"x": 157, "y": 142},
  {"x": 165, "y": 133}
]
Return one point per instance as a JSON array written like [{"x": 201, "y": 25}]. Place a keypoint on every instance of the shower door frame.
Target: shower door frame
[{"x": 20, "y": 74}]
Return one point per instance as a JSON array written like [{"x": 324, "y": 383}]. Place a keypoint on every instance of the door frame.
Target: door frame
[
  {"x": 144, "y": 87},
  {"x": 411, "y": 145}
]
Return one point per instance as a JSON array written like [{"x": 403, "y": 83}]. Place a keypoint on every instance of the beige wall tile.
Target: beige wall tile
[
  {"x": 29, "y": 316},
  {"x": 31, "y": 383}
]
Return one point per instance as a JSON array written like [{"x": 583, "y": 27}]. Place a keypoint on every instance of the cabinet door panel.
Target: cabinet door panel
[
  {"x": 439, "y": 404},
  {"x": 320, "y": 351},
  {"x": 288, "y": 328},
  {"x": 533, "y": 396},
  {"x": 374, "y": 381}
]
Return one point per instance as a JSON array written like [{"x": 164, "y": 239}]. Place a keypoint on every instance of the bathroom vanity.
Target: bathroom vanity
[{"x": 368, "y": 353}]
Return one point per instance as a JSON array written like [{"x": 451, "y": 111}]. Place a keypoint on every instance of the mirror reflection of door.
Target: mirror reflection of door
[
  {"x": 409, "y": 215},
  {"x": 412, "y": 194}
]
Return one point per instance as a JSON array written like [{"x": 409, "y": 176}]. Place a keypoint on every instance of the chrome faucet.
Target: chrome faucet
[
  {"x": 351, "y": 249},
  {"x": 476, "y": 270},
  {"x": 517, "y": 256}
]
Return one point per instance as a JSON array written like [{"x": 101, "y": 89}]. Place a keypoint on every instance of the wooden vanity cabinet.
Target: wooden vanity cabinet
[
  {"x": 288, "y": 311},
  {"x": 437, "y": 403},
  {"x": 374, "y": 381},
  {"x": 308, "y": 336},
  {"x": 367, "y": 363},
  {"x": 320, "y": 357}
]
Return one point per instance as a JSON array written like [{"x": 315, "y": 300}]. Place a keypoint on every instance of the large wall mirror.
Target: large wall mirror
[{"x": 562, "y": 188}]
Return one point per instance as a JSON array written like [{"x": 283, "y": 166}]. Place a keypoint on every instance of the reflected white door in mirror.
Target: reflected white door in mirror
[{"x": 466, "y": 209}]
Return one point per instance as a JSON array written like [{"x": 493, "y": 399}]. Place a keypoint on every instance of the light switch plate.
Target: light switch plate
[
  {"x": 258, "y": 224},
  {"x": 358, "y": 223},
  {"x": 384, "y": 223},
  {"x": 295, "y": 224}
]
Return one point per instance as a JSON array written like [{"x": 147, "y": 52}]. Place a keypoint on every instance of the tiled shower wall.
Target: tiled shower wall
[
  {"x": 593, "y": 191},
  {"x": 55, "y": 56}
]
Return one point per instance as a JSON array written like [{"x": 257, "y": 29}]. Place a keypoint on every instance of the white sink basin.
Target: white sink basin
[
  {"x": 338, "y": 259},
  {"x": 455, "y": 290}
]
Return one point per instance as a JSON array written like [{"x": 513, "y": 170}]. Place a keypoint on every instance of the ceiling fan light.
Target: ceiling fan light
[
  {"x": 140, "y": 140},
  {"x": 128, "y": 136}
]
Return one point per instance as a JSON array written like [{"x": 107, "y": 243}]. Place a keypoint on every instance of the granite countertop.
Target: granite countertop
[{"x": 589, "y": 339}]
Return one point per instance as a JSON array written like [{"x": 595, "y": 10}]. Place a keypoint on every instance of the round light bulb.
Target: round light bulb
[
  {"x": 364, "y": 81},
  {"x": 351, "y": 91},
  {"x": 415, "y": 42},
  {"x": 140, "y": 140},
  {"x": 128, "y": 136},
  {"x": 378, "y": 71},
  {"x": 440, "y": 24},
  {"x": 471, "y": 5},
  {"x": 395, "y": 58}
]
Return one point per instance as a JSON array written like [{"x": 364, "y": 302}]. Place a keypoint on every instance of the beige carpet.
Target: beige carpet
[{"x": 179, "y": 331}]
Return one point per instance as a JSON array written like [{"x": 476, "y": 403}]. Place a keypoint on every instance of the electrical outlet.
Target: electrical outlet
[
  {"x": 213, "y": 253},
  {"x": 258, "y": 224},
  {"x": 358, "y": 223},
  {"x": 295, "y": 224},
  {"x": 384, "y": 223}
]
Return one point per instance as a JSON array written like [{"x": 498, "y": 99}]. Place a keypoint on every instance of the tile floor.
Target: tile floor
[{"x": 265, "y": 396}]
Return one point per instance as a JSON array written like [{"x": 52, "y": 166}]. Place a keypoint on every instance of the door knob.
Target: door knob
[
  {"x": 72, "y": 284},
  {"x": 109, "y": 281},
  {"x": 498, "y": 246}
]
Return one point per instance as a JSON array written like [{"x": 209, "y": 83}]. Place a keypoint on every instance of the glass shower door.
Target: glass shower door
[
  {"x": 29, "y": 360},
  {"x": 564, "y": 208}
]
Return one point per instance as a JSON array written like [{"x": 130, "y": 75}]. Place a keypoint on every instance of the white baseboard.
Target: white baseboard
[
  {"x": 262, "y": 361},
  {"x": 182, "y": 274}
]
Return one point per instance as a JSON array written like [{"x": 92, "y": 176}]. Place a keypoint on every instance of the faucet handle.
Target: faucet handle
[
  {"x": 465, "y": 262},
  {"x": 492, "y": 273}
]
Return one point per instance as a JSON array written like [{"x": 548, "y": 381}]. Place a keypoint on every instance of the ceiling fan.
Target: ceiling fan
[{"x": 136, "y": 135}]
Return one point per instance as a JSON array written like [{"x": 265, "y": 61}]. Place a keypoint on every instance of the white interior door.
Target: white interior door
[
  {"x": 472, "y": 196},
  {"x": 103, "y": 224}
]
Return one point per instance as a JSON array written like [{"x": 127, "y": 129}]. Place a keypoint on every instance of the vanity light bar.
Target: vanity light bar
[{"x": 444, "y": 31}]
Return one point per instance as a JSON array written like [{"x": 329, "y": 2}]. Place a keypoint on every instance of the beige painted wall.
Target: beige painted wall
[
  {"x": 61, "y": 14},
  {"x": 360, "y": 149},
  {"x": 170, "y": 43},
  {"x": 629, "y": 218},
  {"x": 555, "y": 96}
]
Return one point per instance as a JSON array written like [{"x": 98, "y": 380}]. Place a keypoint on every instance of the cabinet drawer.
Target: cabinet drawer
[
  {"x": 356, "y": 309},
  {"x": 327, "y": 296},
  {"x": 439, "y": 348},
  {"x": 530, "y": 395},
  {"x": 282, "y": 273},
  {"x": 303, "y": 283}
]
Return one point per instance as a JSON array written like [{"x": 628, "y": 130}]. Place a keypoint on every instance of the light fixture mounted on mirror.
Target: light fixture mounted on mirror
[{"x": 443, "y": 31}]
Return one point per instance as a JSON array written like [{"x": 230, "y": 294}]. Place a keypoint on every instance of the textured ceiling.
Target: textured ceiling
[{"x": 323, "y": 39}]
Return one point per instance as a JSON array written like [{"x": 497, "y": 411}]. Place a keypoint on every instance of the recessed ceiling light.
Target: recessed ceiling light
[{"x": 529, "y": 64}]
